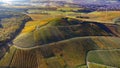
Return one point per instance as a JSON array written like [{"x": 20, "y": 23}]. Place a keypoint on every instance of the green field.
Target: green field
[{"x": 104, "y": 58}]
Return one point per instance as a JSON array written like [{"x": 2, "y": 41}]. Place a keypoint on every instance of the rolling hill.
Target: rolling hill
[
  {"x": 61, "y": 43},
  {"x": 60, "y": 29}
]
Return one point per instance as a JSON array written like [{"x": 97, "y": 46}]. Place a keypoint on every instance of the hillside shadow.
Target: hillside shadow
[
  {"x": 3, "y": 49},
  {"x": 85, "y": 11},
  {"x": 1, "y": 26},
  {"x": 84, "y": 29},
  {"x": 102, "y": 26}
]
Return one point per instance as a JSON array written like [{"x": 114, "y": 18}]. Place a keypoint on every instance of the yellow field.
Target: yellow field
[
  {"x": 69, "y": 8},
  {"x": 104, "y": 16},
  {"x": 38, "y": 21}
]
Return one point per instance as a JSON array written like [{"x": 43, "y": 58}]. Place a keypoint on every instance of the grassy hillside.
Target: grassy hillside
[
  {"x": 103, "y": 58},
  {"x": 59, "y": 29},
  {"x": 6, "y": 60},
  {"x": 68, "y": 53},
  {"x": 37, "y": 20},
  {"x": 63, "y": 22}
]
